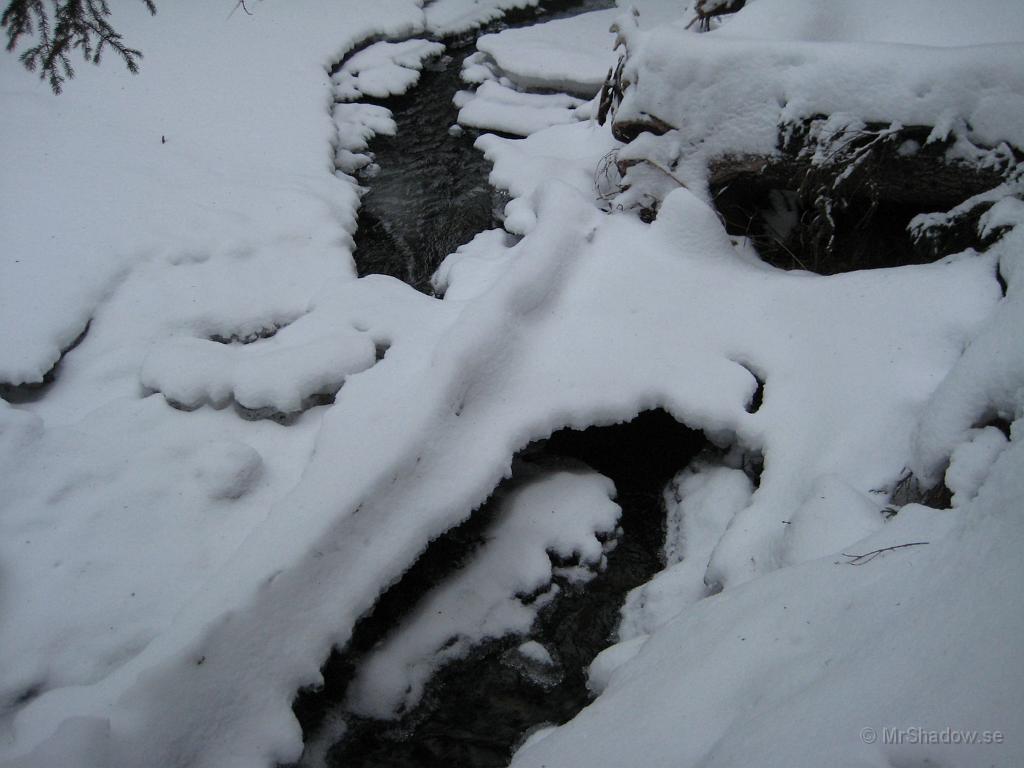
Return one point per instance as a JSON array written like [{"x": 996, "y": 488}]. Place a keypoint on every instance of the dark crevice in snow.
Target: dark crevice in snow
[
  {"x": 477, "y": 709},
  {"x": 1003, "y": 287},
  {"x": 251, "y": 337},
  {"x": 427, "y": 192},
  {"x": 909, "y": 490},
  {"x": 35, "y": 391},
  {"x": 838, "y": 199},
  {"x": 868, "y": 234},
  {"x": 1000, "y": 421},
  {"x": 28, "y": 693},
  {"x": 757, "y": 398},
  {"x": 285, "y": 418}
]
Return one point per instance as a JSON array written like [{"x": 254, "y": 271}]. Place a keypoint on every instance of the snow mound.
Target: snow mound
[
  {"x": 108, "y": 550},
  {"x": 572, "y": 55},
  {"x": 357, "y": 124},
  {"x": 498, "y": 108},
  {"x": 383, "y": 69},
  {"x": 273, "y": 374}
]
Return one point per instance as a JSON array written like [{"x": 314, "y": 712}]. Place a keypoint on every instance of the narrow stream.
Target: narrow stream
[
  {"x": 477, "y": 710},
  {"x": 431, "y": 194}
]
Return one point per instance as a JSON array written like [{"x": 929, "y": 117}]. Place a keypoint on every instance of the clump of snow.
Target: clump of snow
[
  {"x": 971, "y": 461},
  {"x": 535, "y": 652},
  {"x": 473, "y": 267},
  {"x": 357, "y": 124},
  {"x": 534, "y": 663},
  {"x": 496, "y": 107},
  {"x": 561, "y": 513},
  {"x": 833, "y": 516},
  {"x": 383, "y": 69},
  {"x": 700, "y": 502},
  {"x": 571, "y": 55},
  {"x": 569, "y": 153},
  {"x": 227, "y": 470}
]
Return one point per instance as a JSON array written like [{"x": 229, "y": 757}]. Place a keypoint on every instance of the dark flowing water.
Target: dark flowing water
[
  {"x": 475, "y": 711},
  {"x": 431, "y": 194}
]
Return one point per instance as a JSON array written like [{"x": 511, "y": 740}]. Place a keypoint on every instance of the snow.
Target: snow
[
  {"x": 986, "y": 381},
  {"x": 171, "y": 578},
  {"x": 572, "y": 55},
  {"x": 449, "y": 17},
  {"x": 600, "y": 672},
  {"x": 535, "y": 652},
  {"x": 937, "y": 23},
  {"x": 969, "y": 463},
  {"x": 569, "y": 153},
  {"x": 496, "y": 107},
  {"x": 383, "y": 69},
  {"x": 151, "y": 171},
  {"x": 275, "y": 373},
  {"x": 798, "y": 664},
  {"x": 779, "y": 62}
]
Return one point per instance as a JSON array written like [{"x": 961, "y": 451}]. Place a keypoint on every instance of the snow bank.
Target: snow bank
[
  {"x": 776, "y": 63},
  {"x": 152, "y": 170},
  {"x": 987, "y": 384},
  {"x": 450, "y": 17},
  {"x": 572, "y": 55},
  {"x": 498, "y": 108},
  {"x": 819, "y": 659}
]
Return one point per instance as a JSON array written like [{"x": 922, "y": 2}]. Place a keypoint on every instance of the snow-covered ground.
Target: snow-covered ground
[{"x": 249, "y": 444}]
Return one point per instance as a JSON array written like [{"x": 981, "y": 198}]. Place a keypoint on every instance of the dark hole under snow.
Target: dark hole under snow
[{"x": 477, "y": 709}]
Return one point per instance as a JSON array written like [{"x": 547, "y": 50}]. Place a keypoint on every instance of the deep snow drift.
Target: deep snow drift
[{"x": 249, "y": 444}]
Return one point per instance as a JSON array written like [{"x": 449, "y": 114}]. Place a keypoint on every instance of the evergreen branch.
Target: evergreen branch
[{"x": 60, "y": 27}]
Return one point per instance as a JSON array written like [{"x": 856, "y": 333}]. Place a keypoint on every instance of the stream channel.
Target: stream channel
[
  {"x": 430, "y": 196},
  {"x": 431, "y": 193}
]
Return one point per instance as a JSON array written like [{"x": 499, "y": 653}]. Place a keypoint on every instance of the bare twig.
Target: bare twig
[
  {"x": 240, "y": 4},
  {"x": 867, "y": 557}
]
